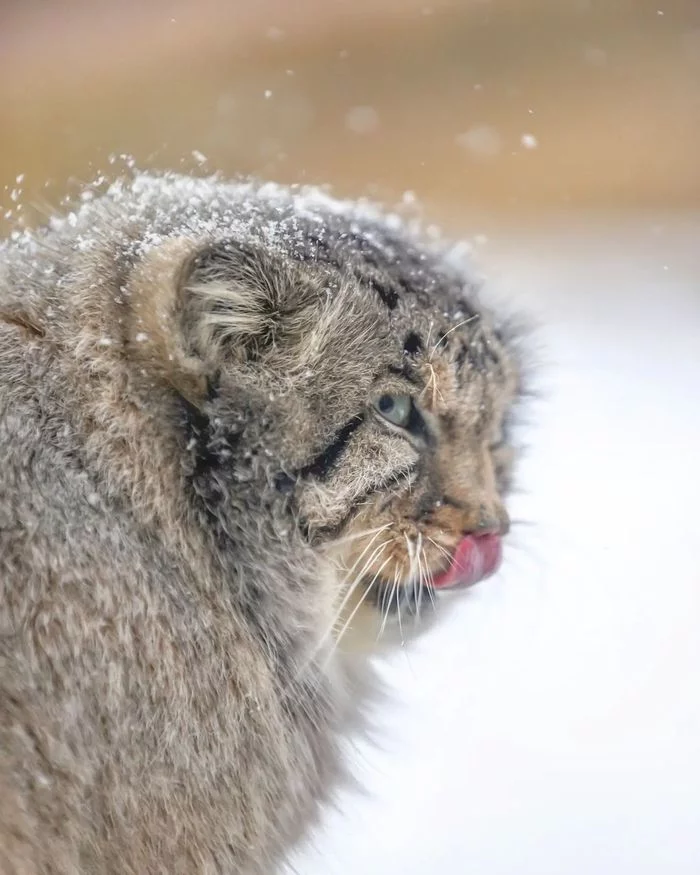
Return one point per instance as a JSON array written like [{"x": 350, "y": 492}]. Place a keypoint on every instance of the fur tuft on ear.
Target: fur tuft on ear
[
  {"x": 195, "y": 307},
  {"x": 227, "y": 311},
  {"x": 237, "y": 298}
]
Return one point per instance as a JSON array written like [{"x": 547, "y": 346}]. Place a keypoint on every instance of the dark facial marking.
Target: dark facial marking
[
  {"x": 321, "y": 466},
  {"x": 412, "y": 345},
  {"x": 284, "y": 483},
  {"x": 387, "y": 294},
  {"x": 461, "y": 356},
  {"x": 209, "y": 463},
  {"x": 416, "y": 426},
  {"x": 197, "y": 433},
  {"x": 21, "y": 321},
  {"x": 213, "y": 386}
]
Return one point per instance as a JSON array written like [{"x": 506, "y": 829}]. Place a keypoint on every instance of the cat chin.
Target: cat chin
[
  {"x": 371, "y": 630},
  {"x": 384, "y": 616}
]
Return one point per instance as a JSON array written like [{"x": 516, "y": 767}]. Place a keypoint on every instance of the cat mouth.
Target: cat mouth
[{"x": 475, "y": 558}]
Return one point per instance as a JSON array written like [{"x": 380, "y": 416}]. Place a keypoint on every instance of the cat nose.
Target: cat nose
[
  {"x": 487, "y": 521},
  {"x": 467, "y": 517},
  {"x": 491, "y": 526}
]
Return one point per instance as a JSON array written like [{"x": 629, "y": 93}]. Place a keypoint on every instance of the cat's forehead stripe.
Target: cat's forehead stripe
[{"x": 412, "y": 344}]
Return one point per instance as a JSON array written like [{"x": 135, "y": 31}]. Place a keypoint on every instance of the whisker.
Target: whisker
[
  {"x": 348, "y": 595},
  {"x": 449, "y": 331},
  {"x": 358, "y": 577},
  {"x": 429, "y": 575},
  {"x": 359, "y": 558},
  {"x": 432, "y": 385},
  {"x": 430, "y": 331},
  {"x": 415, "y": 580},
  {"x": 398, "y": 614},
  {"x": 440, "y": 548},
  {"x": 422, "y": 569},
  {"x": 411, "y": 557},
  {"x": 419, "y": 555},
  {"x": 386, "y": 604},
  {"x": 359, "y": 604},
  {"x": 418, "y": 588},
  {"x": 520, "y": 522}
]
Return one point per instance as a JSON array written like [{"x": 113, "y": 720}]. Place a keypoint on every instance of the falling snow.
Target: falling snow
[
  {"x": 362, "y": 119},
  {"x": 162, "y": 206},
  {"x": 483, "y": 141}
]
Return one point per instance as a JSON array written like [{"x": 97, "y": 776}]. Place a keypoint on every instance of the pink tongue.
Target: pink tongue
[{"x": 476, "y": 557}]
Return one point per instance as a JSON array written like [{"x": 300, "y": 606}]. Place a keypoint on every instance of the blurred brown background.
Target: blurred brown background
[{"x": 479, "y": 107}]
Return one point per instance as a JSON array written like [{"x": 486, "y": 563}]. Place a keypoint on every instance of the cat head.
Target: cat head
[{"x": 348, "y": 375}]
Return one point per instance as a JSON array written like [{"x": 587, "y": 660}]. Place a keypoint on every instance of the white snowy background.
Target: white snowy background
[{"x": 550, "y": 725}]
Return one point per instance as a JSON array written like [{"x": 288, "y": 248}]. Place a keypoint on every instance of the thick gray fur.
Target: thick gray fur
[{"x": 175, "y": 356}]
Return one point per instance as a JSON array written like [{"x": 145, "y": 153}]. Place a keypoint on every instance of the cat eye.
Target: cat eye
[{"x": 396, "y": 409}]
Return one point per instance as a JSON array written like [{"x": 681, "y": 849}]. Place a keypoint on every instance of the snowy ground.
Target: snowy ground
[{"x": 551, "y": 724}]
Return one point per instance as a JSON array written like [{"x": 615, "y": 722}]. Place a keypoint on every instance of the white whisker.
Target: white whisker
[
  {"x": 398, "y": 614},
  {"x": 386, "y": 604},
  {"x": 418, "y": 586},
  {"x": 429, "y": 574},
  {"x": 449, "y": 331},
  {"x": 359, "y": 604},
  {"x": 440, "y": 548},
  {"x": 359, "y": 558},
  {"x": 376, "y": 553},
  {"x": 358, "y": 578}
]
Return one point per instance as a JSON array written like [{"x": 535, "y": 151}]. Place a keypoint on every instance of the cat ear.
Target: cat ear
[
  {"x": 232, "y": 300},
  {"x": 191, "y": 306}
]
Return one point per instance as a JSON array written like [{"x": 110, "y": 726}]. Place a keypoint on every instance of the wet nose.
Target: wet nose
[{"x": 483, "y": 520}]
